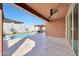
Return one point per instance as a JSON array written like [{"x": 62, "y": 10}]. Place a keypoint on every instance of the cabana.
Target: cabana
[{"x": 7, "y": 20}]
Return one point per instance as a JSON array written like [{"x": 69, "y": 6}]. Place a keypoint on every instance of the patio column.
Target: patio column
[{"x": 0, "y": 29}]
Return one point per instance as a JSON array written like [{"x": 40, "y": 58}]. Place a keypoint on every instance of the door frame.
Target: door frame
[
  {"x": 66, "y": 20},
  {"x": 66, "y": 24},
  {"x": 71, "y": 9}
]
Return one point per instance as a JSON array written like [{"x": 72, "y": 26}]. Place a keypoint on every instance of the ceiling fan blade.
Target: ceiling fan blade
[{"x": 52, "y": 11}]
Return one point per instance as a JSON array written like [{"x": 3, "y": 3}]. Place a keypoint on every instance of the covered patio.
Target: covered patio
[{"x": 54, "y": 41}]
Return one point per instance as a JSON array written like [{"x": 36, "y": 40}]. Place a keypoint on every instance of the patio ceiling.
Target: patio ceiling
[{"x": 42, "y": 10}]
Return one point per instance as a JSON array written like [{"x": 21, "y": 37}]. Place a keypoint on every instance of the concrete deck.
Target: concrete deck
[{"x": 44, "y": 46}]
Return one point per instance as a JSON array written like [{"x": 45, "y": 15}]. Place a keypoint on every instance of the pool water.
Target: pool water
[
  {"x": 20, "y": 35},
  {"x": 17, "y": 36}
]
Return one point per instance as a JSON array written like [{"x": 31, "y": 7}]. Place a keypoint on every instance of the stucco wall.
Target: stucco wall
[
  {"x": 56, "y": 28},
  {"x": 0, "y": 30}
]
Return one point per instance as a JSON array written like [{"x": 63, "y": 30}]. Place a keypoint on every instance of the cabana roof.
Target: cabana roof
[{"x": 6, "y": 20}]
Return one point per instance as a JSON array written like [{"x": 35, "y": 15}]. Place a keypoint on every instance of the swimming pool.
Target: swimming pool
[{"x": 17, "y": 36}]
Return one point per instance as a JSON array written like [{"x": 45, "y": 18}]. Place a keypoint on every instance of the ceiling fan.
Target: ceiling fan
[{"x": 52, "y": 12}]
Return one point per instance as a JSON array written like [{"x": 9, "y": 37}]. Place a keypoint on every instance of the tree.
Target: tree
[
  {"x": 27, "y": 30},
  {"x": 13, "y": 30}
]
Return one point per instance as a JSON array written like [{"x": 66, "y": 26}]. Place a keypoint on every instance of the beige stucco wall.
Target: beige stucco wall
[
  {"x": 56, "y": 28},
  {"x": 0, "y": 30}
]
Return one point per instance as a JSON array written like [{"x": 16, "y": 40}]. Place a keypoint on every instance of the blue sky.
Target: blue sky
[{"x": 14, "y": 13}]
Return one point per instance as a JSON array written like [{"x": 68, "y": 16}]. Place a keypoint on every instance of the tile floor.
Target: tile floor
[{"x": 43, "y": 46}]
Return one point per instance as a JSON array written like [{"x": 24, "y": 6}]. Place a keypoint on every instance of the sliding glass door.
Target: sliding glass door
[
  {"x": 75, "y": 32},
  {"x": 73, "y": 29},
  {"x": 70, "y": 28}
]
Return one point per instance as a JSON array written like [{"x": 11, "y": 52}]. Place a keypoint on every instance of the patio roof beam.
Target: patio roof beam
[{"x": 26, "y": 7}]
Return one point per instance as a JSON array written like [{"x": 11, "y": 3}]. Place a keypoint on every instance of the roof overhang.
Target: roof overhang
[
  {"x": 42, "y": 9},
  {"x": 24, "y": 7},
  {"x": 6, "y": 20}
]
